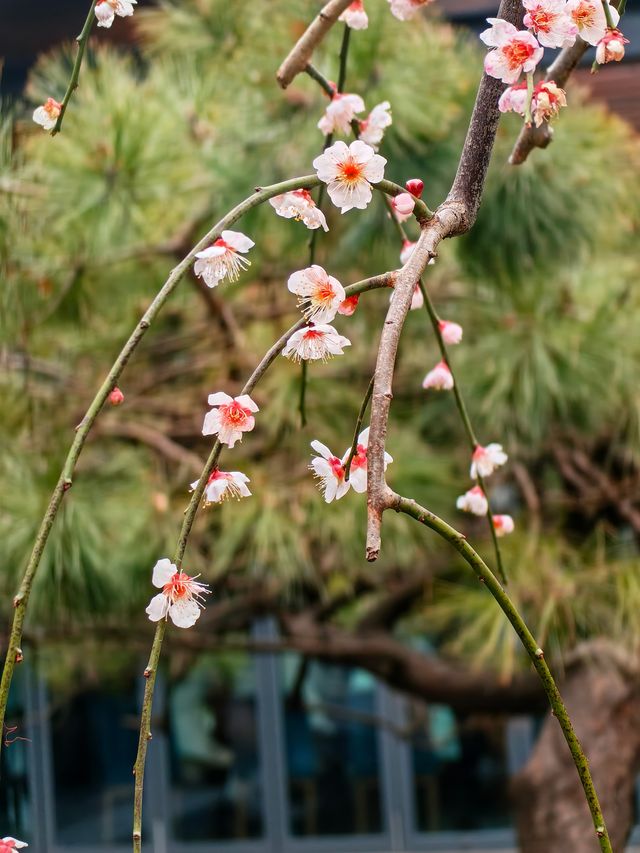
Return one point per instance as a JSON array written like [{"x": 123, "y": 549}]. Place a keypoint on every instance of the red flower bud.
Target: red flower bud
[
  {"x": 116, "y": 397},
  {"x": 415, "y": 187}
]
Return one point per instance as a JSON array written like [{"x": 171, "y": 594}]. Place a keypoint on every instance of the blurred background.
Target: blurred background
[{"x": 321, "y": 703}]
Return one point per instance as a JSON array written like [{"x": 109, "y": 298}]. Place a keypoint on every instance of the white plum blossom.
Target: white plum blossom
[
  {"x": 340, "y": 112},
  {"x": 473, "y": 501},
  {"x": 439, "y": 378},
  {"x": 224, "y": 484},
  {"x": 315, "y": 343},
  {"x": 299, "y": 205},
  {"x": 372, "y": 128},
  {"x": 451, "y": 332},
  {"x": 590, "y": 19},
  {"x": 550, "y": 22},
  {"x": 402, "y": 206},
  {"x": 225, "y": 259},
  {"x": 47, "y": 115},
  {"x": 404, "y": 10},
  {"x": 358, "y": 468},
  {"x": 514, "y": 51},
  {"x": 503, "y": 525},
  {"x": 106, "y": 10},
  {"x": 230, "y": 417},
  {"x": 319, "y": 294},
  {"x": 355, "y": 16},
  {"x": 485, "y": 460},
  {"x": 181, "y": 596},
  {"x": 348, "y": 306},
  {"x": 611, "y": 47},
  {"x": 330, "y": 472},
  {"x": 9, "y": 844},
  {"x": 349, "y": 171},
  {"x": 514, "y": 99}
]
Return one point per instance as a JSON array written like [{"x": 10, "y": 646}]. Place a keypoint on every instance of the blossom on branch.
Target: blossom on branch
[
  {"x": 590, "y": 18},
  {"x": 349, "y": 171},
  {"x": 451, "y": 332},
  {"x": 224, "y": 258},
  {"x": 329, "y": 470},
  {"x": 474, "y": 501},
  {"x": 299, "y": 205},
  {"x": 514, "y": 51},
  {"x": 611, "y": 47},
  {"x": 9, "y": 844},
  {"x": 485, "y": 460},
  {"x": 355, "y": 16},
  {"x": 373, "y": 127},
  {"x": 406, "y": 251},
  {"x": 224, "y": 484},
  {"x": 348, "y": 306},
  {"x": 417, "y": 300},
  {"x": 116, "y": 397},
  {"x": 404, "y": 10},
  {"x": 181, "y": 596},
  {"x": 320, "y": 294},
  {"x": 230, "y": 417},
  {"x": 550, "y": 22},
  {"x": 503, "y": 525},
  {"x": 439, "y": 378},
  {"x": 546, "y": 100},
  {"x": 402, "y": 206},
  {"x": 415, "y": 186},
  {"x": 315, "y": 343},
  {"x": 106, "y": 10},
  {"x": 47, "y": 115},
  {"x": 358, "y": 468},
  {"x": 340, "y": 112}
]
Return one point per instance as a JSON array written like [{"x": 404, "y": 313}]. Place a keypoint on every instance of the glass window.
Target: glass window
[
  {"x": 331, "y": 749},
  {"x": 14, "y": 790},
  {"x": 215, "y": 765}
]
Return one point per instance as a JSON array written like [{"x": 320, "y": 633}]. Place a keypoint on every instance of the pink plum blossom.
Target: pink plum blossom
[
  {"x": 348, "y": 306},
  {"x": 439, "y": 378},
  {"x": 315, "y": 343},
  {"x": 547, "y": 101},
  {"x": 47, "y": 115},
  {"x": 473, "y": 501},
  {"x": 116, "y": 397},
  {"x": 222, "y": 485},
  {"x": 550, "y": 22},
  {"x": 514, "y": 99},
  {"x": 10, "y": 845},
  {"x": 349, "y": 171},
  {"x": 406, "y": 251},
  {"x": 230, "y": 417},
  {"x": 355, "y": 16},
  {"x": 590, "y": 19},
  {"x": 299, "y": 205},
  {"x": 485, "y": 460},
  {"x": 373, "y": 127},
  {"x": 106, "y": 10},
  {"x": 503, "y": 525},
  {"x": 224, "y": 258},
  {"x": 611, "y": 47},
  {"x": 320, "y": 294},
  {"x": 340, "y": 112},
  {"x": 404, "y": 10},
  {"x": 358, "y": 469},
  {"x": 451, "y": 332},
  {"x": 181, "y": 596},
  {"x": 417, "y": 300},
  {"x": 415, "y": 186},
  {"x": 402, "y": 206},
  {"x": 329, "y": 471},
  {"x": 514, "y": 51}
]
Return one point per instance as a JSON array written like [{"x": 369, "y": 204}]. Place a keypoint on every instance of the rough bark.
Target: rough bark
[{"x": 602, "y": 694}]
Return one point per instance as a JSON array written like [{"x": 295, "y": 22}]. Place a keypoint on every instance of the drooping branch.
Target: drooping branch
[{"x": 82, "y": 40}]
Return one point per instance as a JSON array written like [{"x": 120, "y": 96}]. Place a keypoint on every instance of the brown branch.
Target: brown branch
[{"x": 300, "y": 55}]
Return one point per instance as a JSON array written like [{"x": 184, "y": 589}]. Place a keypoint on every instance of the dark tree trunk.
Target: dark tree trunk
[{"x": 602, "y": 694}]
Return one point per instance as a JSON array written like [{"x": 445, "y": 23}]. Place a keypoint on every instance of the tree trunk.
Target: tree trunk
[{"x": 602, "y": 694}]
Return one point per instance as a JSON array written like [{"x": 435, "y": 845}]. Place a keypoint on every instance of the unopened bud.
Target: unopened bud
[
  {"x": 19, "y": 656},
  {"x": 349, "y": 305},
  {"x": 415, "y": 187},
  {"x": 116, "y": 397}
]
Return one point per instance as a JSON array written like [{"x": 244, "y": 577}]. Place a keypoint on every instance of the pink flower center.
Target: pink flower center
[
  {"x": 350, "y": 171},
  {"x": 324, "y": 293},
  {"x": 517, "y": 53},
  {"x": 218, "y": 475},
  {"x": 52, "y": 107},
  {"x": 478, "y": 455},
  {"x": 312, "y": 335},
  {"x": 336, "y": 468},
  {"x": 541, "y": 20},
  {"x": 360, "y": 458},
  {"x": 304, "y": 194},
  {"x": 178, "y": 587},
  {"x": 584, "y": 14},
  {"x": 234, "y": 414}
]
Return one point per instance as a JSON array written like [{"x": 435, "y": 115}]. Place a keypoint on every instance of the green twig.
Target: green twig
[
  {"x": 82, "y": 40},
  {"x": 356, "y": 433},
  {"x": 607, "y": 14}
]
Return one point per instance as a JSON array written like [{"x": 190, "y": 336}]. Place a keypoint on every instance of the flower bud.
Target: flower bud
[
  {"x": 349, "y": 305},
  {"x": 415, "y": 186},
  {"x": 116, "y": 397}
]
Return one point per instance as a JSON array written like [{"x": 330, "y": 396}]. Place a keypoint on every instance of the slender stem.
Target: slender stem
[
  {"x": 302, "y": 399},
  {"x": 607, "y": 14},
  {"x": 486, "y": 576},
  {"x": 82, "y": 40},
  {"x": 316, "y": 75},
  {"x": 527, "y": 109},
  {"x": 344, "y": 55},
  {"x": 356, "y": 432},
  {"x": 65, "y": 480}
]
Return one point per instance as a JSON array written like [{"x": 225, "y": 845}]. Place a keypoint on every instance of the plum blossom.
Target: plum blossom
[
  {"x": 473, "y": 501},
  {"x": 9, "y": 844},
  {"x": 451, "y": 332},
  {"x": 355, "y": 16},
  {"x": 222, "y": 485},
  {"x": 611, "y": 47},
  {"x": 547, "y": 101},
  {"x": 439, "y": 378},
  {"x": 320, "y": 294},
  {"x": 349, "y": 171},
  {"x": 224, "y": 259},
  {"x": 181, "y": 596},
  {"x": 329, "y": 471},
  {"x": 415, "y": 186},
  {"x": 230, "y": 417},
  {"x": 116, "y": 397},
  {"x": 299, "y": 205},
  {"x": 503, "y": 525},
  {"x": 315, "y": 343},
  {"x": 514, "y": 99},
  {"x": 417, "y": 300},
  {"x": 485, "y": 460},
  {"x": 106, "y": 10},
  {"x": 402, "y": 206},
  {"x": 47, "y": 115},
  {"x": 372, "y": 128},
  {"x": 550, "y": 22},
  {"x": 514, "y": 51},
  {"x": 340, "y": 112},
  {"x": 404, "y": 10},
  {"x": 358, "y": 468},
  {"x": 590, "y": 19},
  {"x": 348, "y": 306}
]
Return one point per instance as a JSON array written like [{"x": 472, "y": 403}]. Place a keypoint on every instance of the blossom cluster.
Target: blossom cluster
[
  {"x": 355, "y": 15},
  {"x": 331, "y": 471}
]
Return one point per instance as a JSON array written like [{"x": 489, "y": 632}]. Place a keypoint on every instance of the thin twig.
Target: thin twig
[
  {"x": 82, "y": 40},
  {"x": 356, "y": 432}
]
